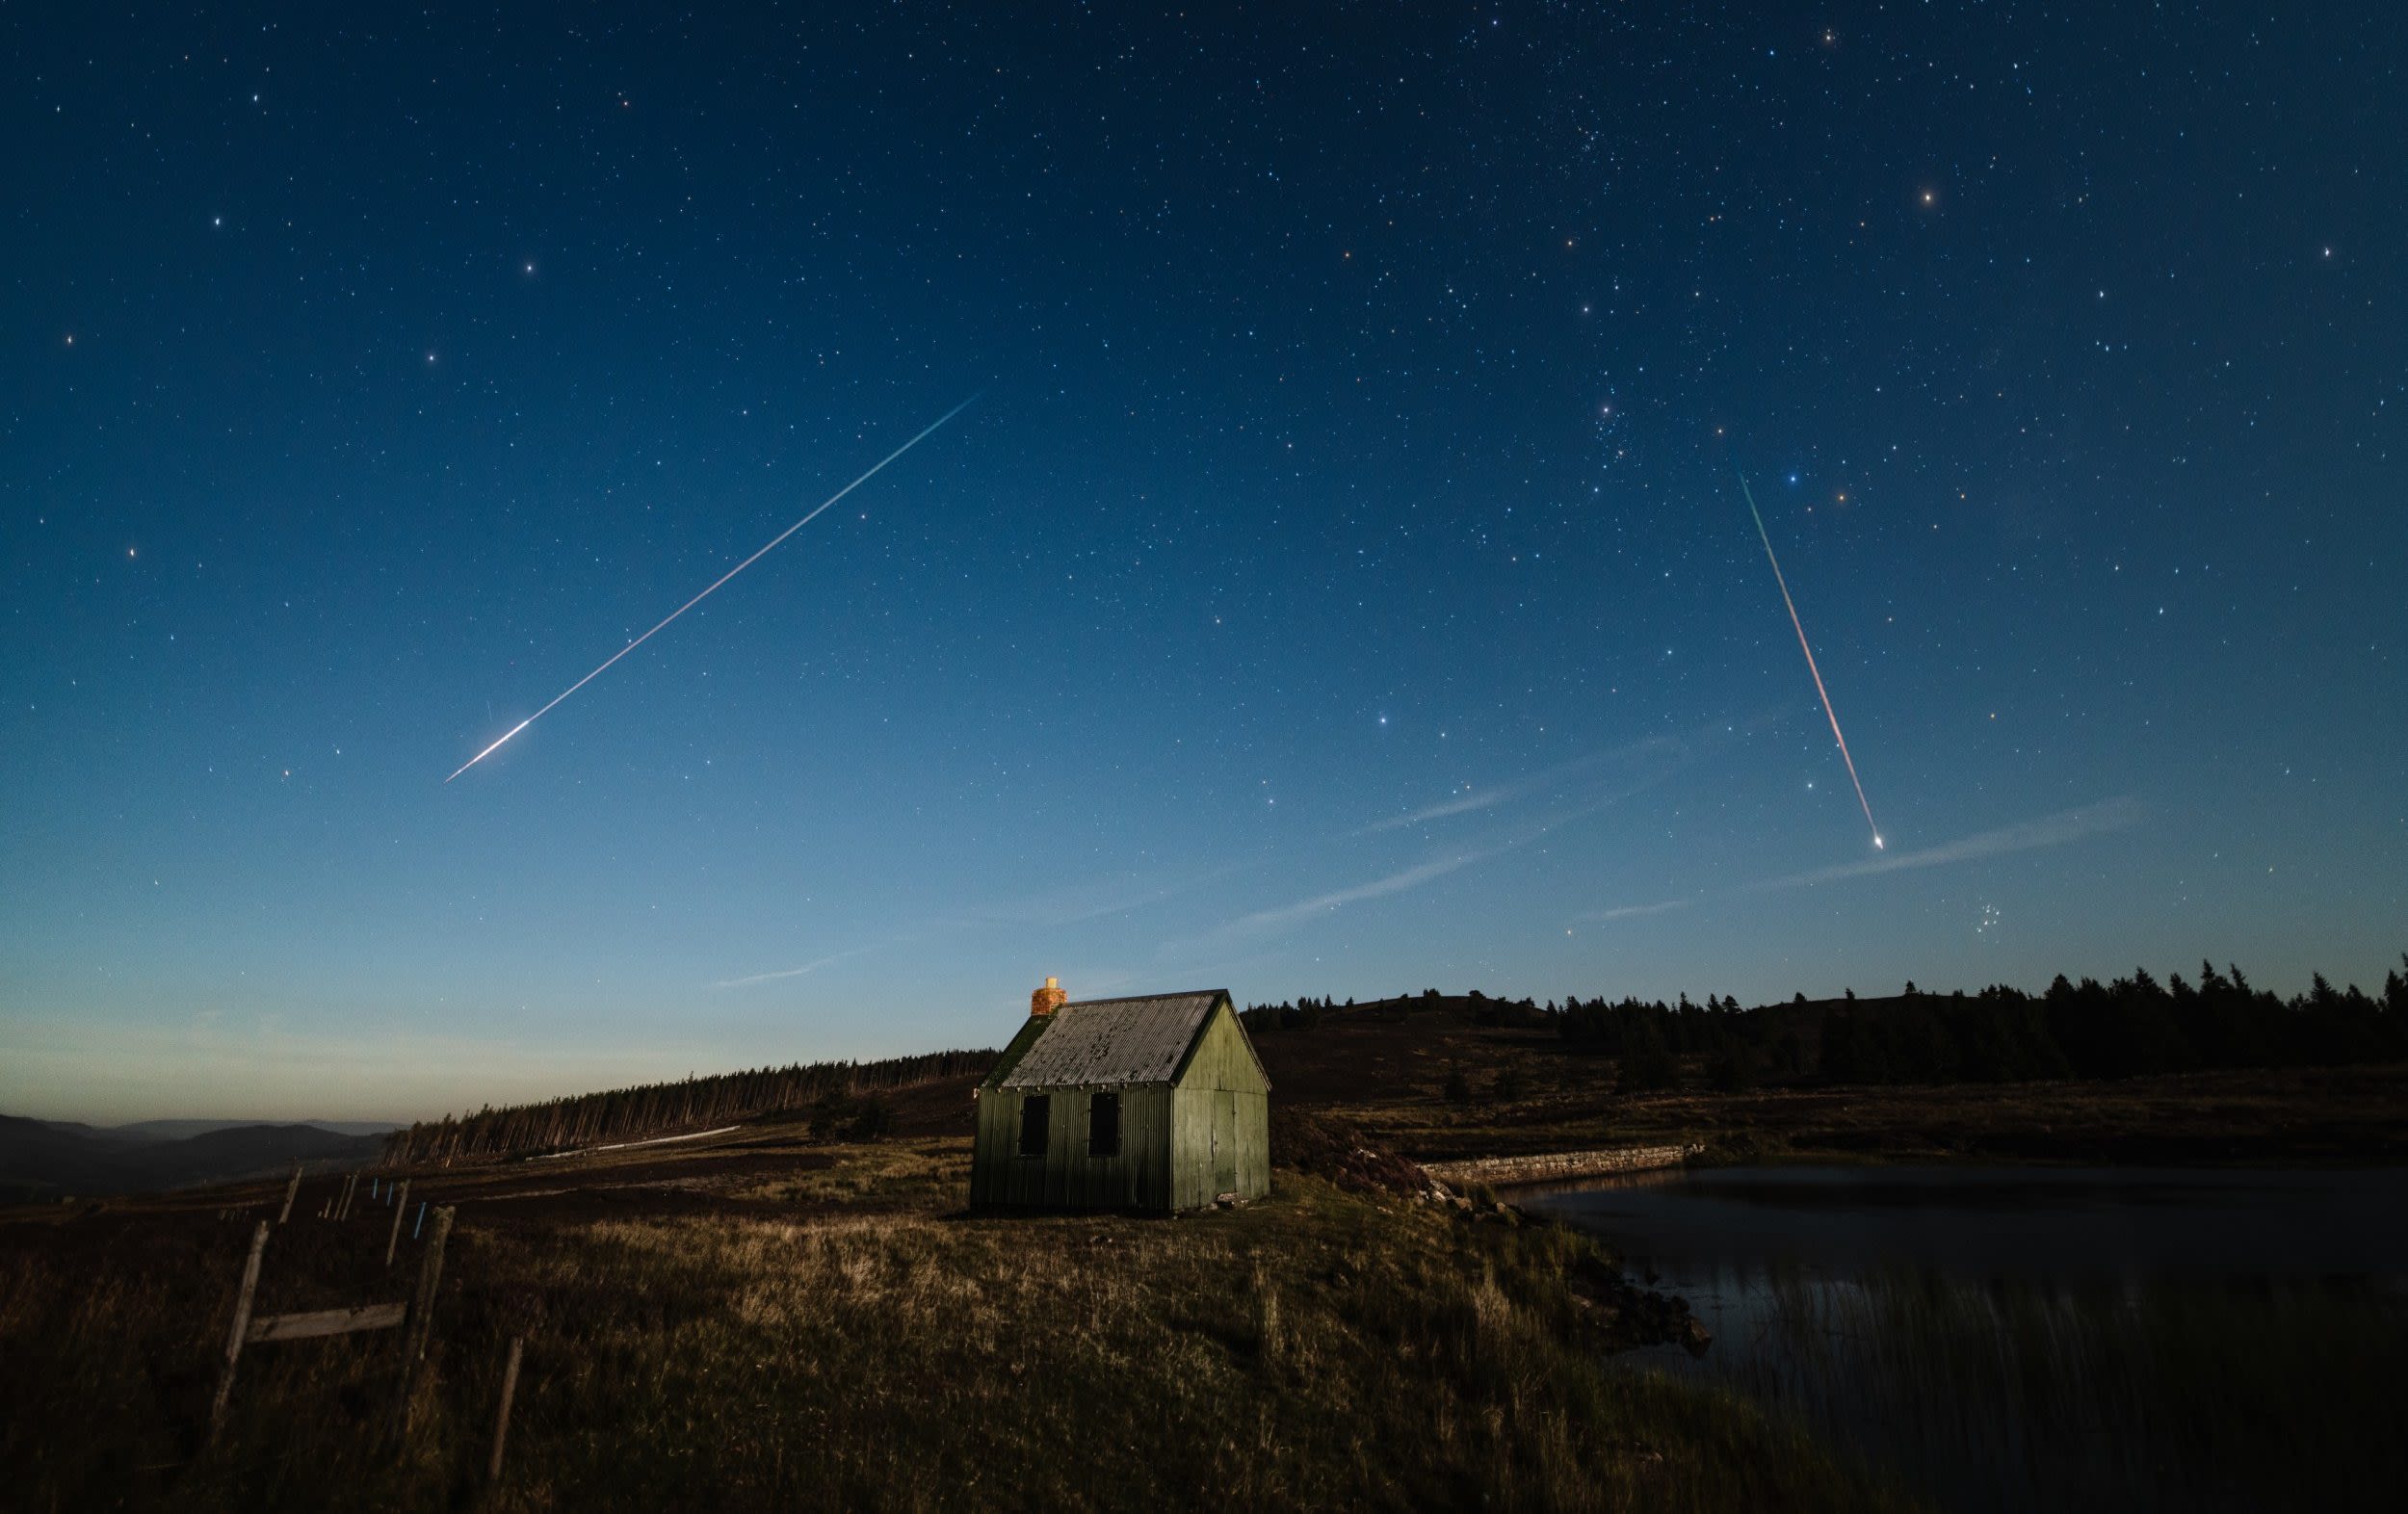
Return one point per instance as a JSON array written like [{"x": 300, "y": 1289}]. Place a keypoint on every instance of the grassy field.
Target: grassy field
[{"x": 764, "y": 1321}]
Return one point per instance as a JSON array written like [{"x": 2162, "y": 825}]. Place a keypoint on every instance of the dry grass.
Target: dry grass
[
  {"x": 923, "y": 1174},
  {"x": 1320, "y": 1348}
]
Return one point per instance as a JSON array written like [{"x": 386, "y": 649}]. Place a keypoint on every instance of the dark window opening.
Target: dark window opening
[
  {"x": 1035, "y": 1112},
  {"x": 1103, "y": 1125}
]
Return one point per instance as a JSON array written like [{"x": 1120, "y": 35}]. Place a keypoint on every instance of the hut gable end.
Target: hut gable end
[{"x": 1225, "y": 1055}]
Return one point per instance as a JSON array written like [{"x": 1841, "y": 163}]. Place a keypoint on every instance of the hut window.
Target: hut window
[
  {"x": 1035, "y": 1112},
  {"x": 1103, "y": 1125}
]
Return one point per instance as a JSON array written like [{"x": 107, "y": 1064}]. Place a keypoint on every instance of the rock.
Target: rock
[{"x": 1695, "y": 1337}]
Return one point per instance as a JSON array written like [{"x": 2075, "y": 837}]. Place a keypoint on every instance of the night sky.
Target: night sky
[{"x": 1341, "y": 585}]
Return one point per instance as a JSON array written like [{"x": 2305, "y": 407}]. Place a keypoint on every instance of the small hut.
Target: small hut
[{"x": 1148, "y": 1104}]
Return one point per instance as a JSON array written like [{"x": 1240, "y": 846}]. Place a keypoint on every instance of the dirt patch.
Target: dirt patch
[{"x": 1329, "y": 1147}]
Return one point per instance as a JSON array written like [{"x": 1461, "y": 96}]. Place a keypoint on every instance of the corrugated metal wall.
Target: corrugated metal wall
[{"x": 1066, "y": 1176}]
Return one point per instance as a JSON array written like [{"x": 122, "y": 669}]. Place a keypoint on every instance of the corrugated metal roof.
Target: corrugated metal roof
[{"x": 1113, "y": 1041}]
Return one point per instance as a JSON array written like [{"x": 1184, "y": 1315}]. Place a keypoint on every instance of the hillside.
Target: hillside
[
  {"x": 40, "y": 1160},
  {"x": 1443, "y": 1078},
  {"x": 179, "y": 1129}
]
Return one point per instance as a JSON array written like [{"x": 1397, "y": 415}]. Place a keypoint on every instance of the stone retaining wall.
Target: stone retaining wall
[{"x": 1558, "y": 1166}]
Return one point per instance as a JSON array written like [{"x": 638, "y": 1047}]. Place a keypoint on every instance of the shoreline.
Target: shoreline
[{"x": 1561, "y": 1166}]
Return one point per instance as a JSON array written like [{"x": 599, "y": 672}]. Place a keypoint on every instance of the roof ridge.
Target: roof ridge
[{"x": 1138, "y": 998}]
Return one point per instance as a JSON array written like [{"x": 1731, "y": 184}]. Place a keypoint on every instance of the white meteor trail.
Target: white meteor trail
[
  {"x": 714, "y": 589},
  {"x": 1762, "y": 535}
]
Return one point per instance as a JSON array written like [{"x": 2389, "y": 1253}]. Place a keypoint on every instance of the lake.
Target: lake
[{"x": 2014, "y": 1338}]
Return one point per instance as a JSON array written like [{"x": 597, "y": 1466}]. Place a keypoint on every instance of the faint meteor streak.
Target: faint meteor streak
[
  {"x": 714, "y": 589},
  {"x": 1766, "y": 537}
]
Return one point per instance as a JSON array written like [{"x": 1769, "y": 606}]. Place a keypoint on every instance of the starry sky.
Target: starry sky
[{"x": 1340, "y": 586}]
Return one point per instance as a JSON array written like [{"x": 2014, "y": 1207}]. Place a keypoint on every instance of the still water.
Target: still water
[{"x": 2023, "y": 1338}]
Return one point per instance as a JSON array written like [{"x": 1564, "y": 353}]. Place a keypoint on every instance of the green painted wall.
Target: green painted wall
[
  {"x": 1220, "y": 1119},
  {"x": 1066, "y": 1176},
  {"x": 1182, "y": 1144}
]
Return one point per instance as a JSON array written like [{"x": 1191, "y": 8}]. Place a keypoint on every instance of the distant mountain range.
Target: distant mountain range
[
  {"x": 182, "y": 1130},
  {"x": 42, "y": 1161}
]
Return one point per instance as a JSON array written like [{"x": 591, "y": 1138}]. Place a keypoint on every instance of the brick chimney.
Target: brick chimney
[{"x": 1048, "y": 999}]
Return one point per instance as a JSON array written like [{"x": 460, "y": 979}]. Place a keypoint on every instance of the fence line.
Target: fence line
[{"x": 417, "y": 1313}]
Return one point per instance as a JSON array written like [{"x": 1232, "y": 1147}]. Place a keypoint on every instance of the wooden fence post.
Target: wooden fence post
[
  {"x": 401, "y": 1206},
  {"x": 351, "y": 1186},
  {"x": 241, "y": 1328},
  {"x": 502, "y": 1416},
  {"x": 290, "y": 1188},
  {"x": 421, "y": 1321}
]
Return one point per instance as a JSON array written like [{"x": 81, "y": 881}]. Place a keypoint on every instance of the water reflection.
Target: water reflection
[{"x": 2025, "y": 1338}]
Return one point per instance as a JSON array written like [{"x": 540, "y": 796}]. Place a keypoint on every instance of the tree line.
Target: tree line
[
  {"x": 667, "y": 1108},
  {"x": 2133, "y": 1026}
]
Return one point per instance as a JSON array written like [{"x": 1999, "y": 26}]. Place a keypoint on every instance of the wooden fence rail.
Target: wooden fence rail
[
  {"x": 417, "y": 1313},
  {"x": 325, "y": 1321}
]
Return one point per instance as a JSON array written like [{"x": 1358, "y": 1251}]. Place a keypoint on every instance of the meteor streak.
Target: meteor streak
[
  {"x": 1825, "y": 693},
  {"x": 714, "y": 589}
]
